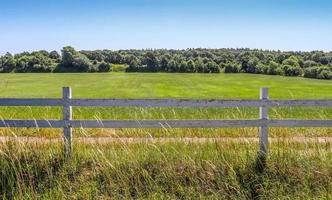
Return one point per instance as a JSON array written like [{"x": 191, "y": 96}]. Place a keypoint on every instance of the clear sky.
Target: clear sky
[{"x": 27, "y": 25}]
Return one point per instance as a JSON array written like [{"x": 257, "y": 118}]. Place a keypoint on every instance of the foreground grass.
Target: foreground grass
[{"x": 165, "y": 171}]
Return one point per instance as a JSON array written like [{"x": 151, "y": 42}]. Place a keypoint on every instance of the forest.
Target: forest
[{"x": 314, "y": 64}]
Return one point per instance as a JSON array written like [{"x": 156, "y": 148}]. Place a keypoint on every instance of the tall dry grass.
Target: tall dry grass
[{"x": 165, "y": 171}]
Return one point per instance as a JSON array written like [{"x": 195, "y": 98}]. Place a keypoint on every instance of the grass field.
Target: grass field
[
  {"x": 164, "y": 170},
  {"x": 162, "y": 85}
]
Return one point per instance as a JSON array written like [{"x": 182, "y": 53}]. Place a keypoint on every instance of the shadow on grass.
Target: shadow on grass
[{"x": 251, "y": 179}]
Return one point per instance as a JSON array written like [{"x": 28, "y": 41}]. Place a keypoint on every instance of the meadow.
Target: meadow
[
  {"x": 162, "y": 85},
  {"x": 164, "y": 170}
]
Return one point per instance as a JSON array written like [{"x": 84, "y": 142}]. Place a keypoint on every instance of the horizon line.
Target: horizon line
[{"x": 177, "y": 49}]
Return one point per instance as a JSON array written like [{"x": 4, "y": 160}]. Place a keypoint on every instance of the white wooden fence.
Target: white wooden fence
[{"x": 68, "y": 123}]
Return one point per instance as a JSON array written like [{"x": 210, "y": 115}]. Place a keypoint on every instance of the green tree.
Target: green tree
[
  {"x": 183, "y": 66},
  {"x": 134, "y": 65},
  {"x": 8, "y": 63},
  {"x": 68, "y": 56},
  {"x": 232, "y": 68},
  {"x": 151, "y": 62},
  {"x": 104, "y": 67},
  {"x": 191, "y": 66},
  {"x": 22, "y": 64},
  {"x": 310, "y": 63},
  {"x": 252, "y": 65},
  {"x": 173, "y": 66},
  {"x": 273, "y": 68},
  {"x": 73, "y": 61},
  {"x": 243, "y": 58},
  {"x": 200, "y": 66},
  {"x": 54, "y": 55},
  {"x": 289, "y": 70},
  {"x": 291, "y": 61},
  {"x": 212, "y": 67},
  {"x": 164, "y": 63}
]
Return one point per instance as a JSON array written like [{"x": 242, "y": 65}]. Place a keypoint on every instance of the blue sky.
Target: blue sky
[{"x": 28, "y": 25}]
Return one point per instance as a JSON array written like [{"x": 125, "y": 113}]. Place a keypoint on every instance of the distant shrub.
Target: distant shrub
[
  {"x": 274, "y": 68},
  {"x": 199, "y": 65},
  {"x": 310, "y": 63},
  {"x": 104, "y": 67},
  {"x": 252, "y": 66},
  {"x": 73, "y": 61},
  {"x": 54, "y": 55},
  {"x": 232, "y": 68},
  {"x": 8, "y": 63},
  {"x": 323, "y": 72},
  {"x": 261, "y": 68},
  {"x": 191, "y": 66},
  {"x": 212, "y": 67},
  {"x": 119, "y": 67},
  {"x": 291, "y": 61},
  {"x": 162, "y": 60},
  {"x": 325, "y": 60},
  {"x": 42, "y": 68},
  {"x": 289, "y": 70},
  {"x": 183, "y": 66},
  {"x": 311, "y": 72}
]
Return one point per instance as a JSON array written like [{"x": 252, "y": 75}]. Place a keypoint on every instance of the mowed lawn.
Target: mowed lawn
[
  {"x": 168, "y": 85},
  {"x": 162, "y": 85}
]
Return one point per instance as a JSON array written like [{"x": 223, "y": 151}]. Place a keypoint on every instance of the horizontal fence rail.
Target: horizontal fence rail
[
  {"x": 161, "y": 102},
  {"x": 163, "y": 123},
  {"x": 68, "y": 123}
]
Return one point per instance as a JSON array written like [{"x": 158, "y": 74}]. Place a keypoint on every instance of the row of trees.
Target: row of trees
[
  {"x": 315, "y": 64},
  {"x": 70, "y": 60}
]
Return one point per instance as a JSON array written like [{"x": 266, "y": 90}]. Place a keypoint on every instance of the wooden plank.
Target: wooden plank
[
  {"x": 162, "y": 102},
  {"x": 300, "y": 123},
  {"x": 304, "y": 103},
  {"x": 67, "y": 117},
  {"x": 162, "y": 123},
  {"x": 30, "y": 102},
  {"x": 198, "y": 102},
  {"x": 165, "y": 123},
  {"x": 263, "y": 130},
  {"x": 165, "y": 102}
]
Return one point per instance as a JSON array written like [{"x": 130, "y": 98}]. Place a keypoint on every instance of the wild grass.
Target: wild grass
[
  {"x": 121, "y": 113},
  {"x": 165, "y": 171}
]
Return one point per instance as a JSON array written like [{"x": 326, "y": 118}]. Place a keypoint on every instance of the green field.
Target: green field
[
  {"x": 164, "y": 170},
  {"x": 162, "y": 85}
]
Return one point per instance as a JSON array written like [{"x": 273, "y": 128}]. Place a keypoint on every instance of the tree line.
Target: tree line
[{"x": 314, "y": 64}]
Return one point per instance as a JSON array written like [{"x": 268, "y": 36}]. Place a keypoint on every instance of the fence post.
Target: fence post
[
  {"x": 67, "y": 116},
  {"x": 263, "y": 115}
]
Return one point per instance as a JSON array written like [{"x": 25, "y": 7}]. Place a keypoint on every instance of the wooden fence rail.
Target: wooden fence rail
[{"x": 68, "y": 123}]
